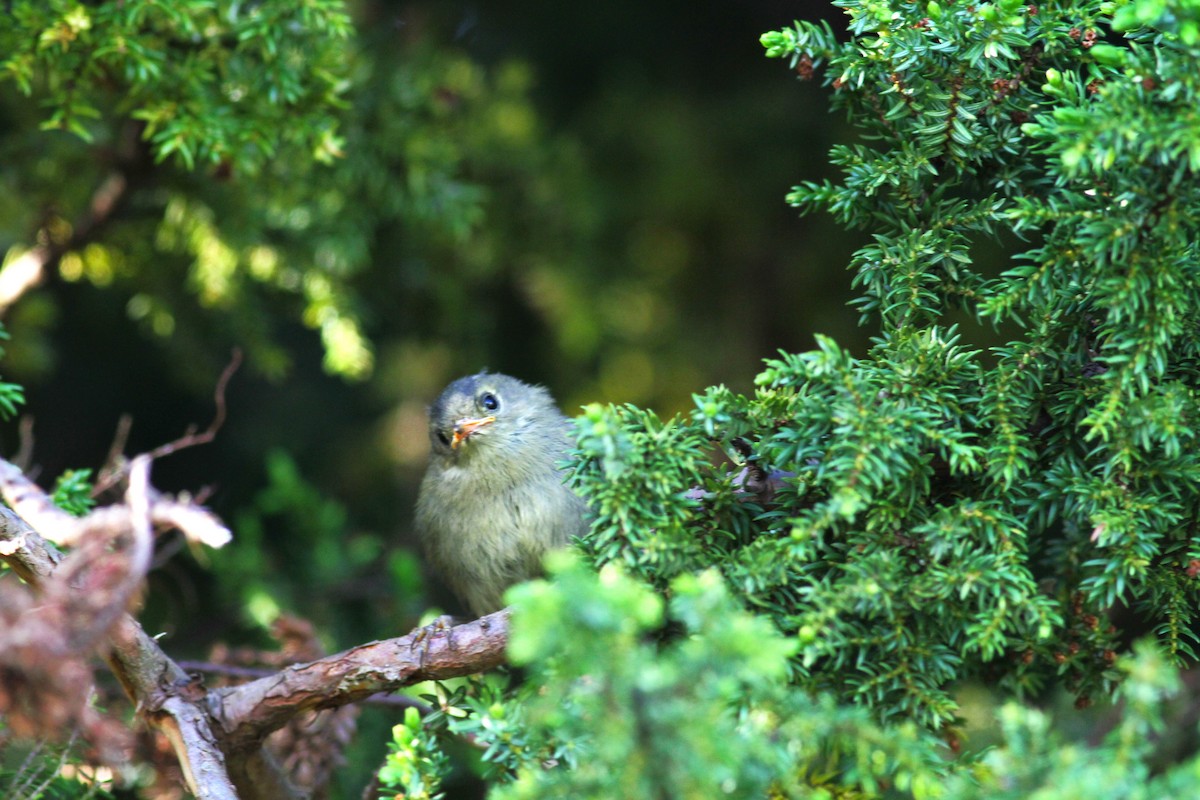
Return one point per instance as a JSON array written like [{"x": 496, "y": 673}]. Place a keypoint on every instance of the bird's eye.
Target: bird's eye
[
  {"x": 443, "y": 438},
  {"x": 489, "y": 401}
]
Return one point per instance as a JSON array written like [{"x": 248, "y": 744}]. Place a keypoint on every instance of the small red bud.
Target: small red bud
[{"x": 804, "y": 67}]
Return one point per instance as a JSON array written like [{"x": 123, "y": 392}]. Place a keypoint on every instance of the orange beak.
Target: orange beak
[{"x": 465, "y": 427}]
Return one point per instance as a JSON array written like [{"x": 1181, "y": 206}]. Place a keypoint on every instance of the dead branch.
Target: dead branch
[
  {"x": 218, "y": 735},
  {"x": 34, "y": 506},
  {"x": 151, "y": 679}
]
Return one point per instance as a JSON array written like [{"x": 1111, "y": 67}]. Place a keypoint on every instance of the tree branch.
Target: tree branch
[
  {"x": 240, "y": 672},
  {"x": 30, "y": 556},
  {"x": 249, "y": 712}
]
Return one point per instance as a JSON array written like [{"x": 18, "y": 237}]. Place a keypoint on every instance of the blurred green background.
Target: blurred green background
[{"x": 588, "y": 196}]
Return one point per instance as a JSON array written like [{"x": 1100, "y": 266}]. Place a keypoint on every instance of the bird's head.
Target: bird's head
[{"x": 489, "y": 412}]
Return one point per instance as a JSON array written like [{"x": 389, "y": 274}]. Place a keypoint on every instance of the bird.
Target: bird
[{"x": 493, "y": 500}]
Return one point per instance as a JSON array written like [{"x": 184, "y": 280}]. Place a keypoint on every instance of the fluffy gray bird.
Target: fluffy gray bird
[{"x": 493, "y": 500}]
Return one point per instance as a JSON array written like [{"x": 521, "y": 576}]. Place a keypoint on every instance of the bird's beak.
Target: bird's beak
[{"x": 465, "y": 427}]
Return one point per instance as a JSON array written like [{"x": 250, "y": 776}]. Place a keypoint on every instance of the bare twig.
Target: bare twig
[
  {"x": 228, "y": 670},
  {"x": 116, "y": 469},
  {"x": 190, "y": 438},
  {"x": 114, "y": 463}
]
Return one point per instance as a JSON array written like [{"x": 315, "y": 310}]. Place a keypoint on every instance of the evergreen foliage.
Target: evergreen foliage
[
  {"x": 73, "y": 492},
  {"x": 211, "y": 81},
  {"x": 33, "y": 771},
  {"x": 1073, "y": 459},
  {"x": 263, "y": 160},
  {"x": 782, "y": 590},
  {"x": 12, "y": 395},
  {"x": 609, "y": 710},
  {"x": 950, "y": 506}
]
